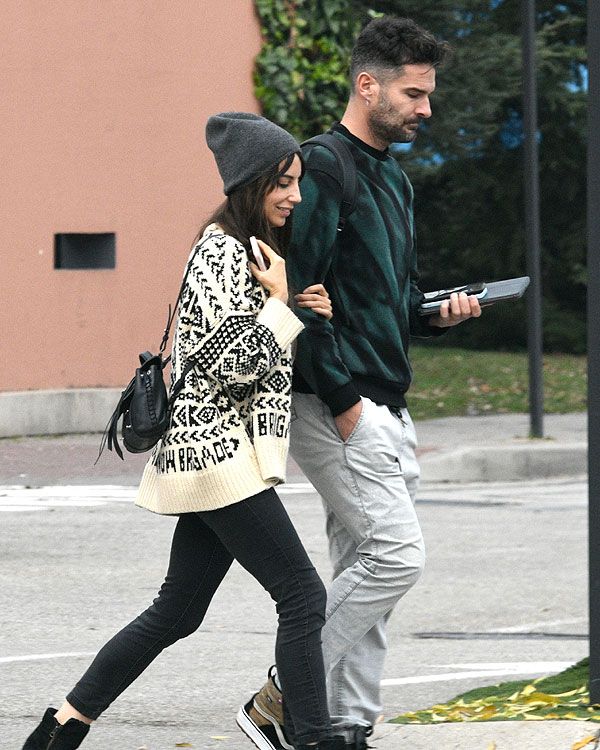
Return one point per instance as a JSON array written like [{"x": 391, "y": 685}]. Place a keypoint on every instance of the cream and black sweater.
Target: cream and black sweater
[{"x": 228, "y": 436}]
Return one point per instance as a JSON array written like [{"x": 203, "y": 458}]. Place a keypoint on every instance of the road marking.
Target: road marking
[
  {"x": 530, "y": 626},
  {"x": 296, "y": 488},
  {"x": 471, "y": 670},
  {"x": 20, "y": 508},
  {"x": 70, "y": 490},
  {"x": 58, "y": 502},
  {"x": 536, "y": 666},
  {"x": 37, "y": 657},
  {"x": 20, "y": 499},
  {"x": 482, "y": 670}
]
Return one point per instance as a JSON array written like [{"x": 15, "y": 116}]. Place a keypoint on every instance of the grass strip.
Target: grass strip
[
  {"x": 561, "y": 696},
  {"x": 461, "y": 382}
]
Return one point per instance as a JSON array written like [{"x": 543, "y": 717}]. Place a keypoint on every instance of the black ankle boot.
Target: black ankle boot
[
  {"x": 50, "y": 735},
  {"x": 333, "y": 743}
]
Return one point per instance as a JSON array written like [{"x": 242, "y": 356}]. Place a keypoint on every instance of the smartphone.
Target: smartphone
[
  {"x": 442, "y": 294},
  {"x": 433, "y": 300},
  {"x": 258, "y": 256}
]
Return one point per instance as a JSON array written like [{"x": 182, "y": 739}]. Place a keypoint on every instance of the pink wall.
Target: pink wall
[{"x": 102, "y": 130}]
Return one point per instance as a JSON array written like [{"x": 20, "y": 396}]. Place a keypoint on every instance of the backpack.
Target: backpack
[{"x": 346, "y": 166}]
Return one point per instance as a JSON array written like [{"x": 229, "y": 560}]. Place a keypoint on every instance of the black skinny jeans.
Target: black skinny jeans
[{"x": 258, "y": 533}]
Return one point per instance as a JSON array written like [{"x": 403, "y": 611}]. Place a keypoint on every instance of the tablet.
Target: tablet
[{"x": 487, "y": 292}]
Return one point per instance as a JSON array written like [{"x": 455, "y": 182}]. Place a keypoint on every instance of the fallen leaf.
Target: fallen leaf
[
  {"x": 491, "y": 746},
  {"x": 541, "y": 699},
  {"x": 585, "y": 741},
  {"x": 183, "y": 744}
]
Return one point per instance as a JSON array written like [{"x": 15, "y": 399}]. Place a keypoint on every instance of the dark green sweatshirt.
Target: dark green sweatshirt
[{"x": 370, "y": 272}]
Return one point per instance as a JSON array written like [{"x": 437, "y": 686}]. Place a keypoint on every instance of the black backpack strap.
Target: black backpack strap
[
  {"x": 173, "y": 310},
  {"x": 347, "y": 168}
]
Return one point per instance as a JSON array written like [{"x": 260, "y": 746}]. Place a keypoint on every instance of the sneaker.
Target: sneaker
[
  {"x": 261, "y": 719},
  {"x": 360, "y": 738}
]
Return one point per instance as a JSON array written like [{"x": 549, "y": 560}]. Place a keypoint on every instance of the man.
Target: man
[{"x": 351, "y": 432}]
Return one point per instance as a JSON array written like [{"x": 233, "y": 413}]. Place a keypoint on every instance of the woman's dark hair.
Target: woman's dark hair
[
  {"x": 242, "y": 214},
  {"x": 388, "y": 43}
]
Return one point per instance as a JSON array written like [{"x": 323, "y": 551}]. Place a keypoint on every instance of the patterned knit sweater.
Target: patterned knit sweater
[{"x": 228, "y": 435}]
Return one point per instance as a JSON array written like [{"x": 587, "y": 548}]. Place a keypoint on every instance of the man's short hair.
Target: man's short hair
[{"x": 386, "y": 44}]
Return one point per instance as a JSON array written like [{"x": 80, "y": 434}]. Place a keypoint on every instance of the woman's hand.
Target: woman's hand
[
  {"x": 315, "y": 298},
  {"x": 274, "y": 279}
]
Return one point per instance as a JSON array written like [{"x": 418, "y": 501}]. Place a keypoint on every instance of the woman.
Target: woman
[{"x": 226, "y": 446}]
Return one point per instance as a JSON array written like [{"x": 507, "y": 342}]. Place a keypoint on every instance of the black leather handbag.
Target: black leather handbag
[{"x": 145, "y": 405}]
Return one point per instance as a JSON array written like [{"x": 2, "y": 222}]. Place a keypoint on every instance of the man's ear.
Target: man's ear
[{"x": 366, "y": 86}]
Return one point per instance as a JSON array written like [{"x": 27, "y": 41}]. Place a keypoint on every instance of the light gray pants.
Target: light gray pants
[{"x": 367, "y": 485}]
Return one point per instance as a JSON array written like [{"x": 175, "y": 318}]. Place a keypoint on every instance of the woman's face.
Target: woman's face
[{"x": 284, "y": 196}]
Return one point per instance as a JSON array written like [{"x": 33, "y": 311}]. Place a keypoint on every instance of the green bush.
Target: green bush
[{"x": 467, "y": 163}]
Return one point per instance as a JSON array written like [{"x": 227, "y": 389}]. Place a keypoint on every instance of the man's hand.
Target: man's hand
[
  {"x": 346, "y": 421},
  {"x": 458, "y": 308}
]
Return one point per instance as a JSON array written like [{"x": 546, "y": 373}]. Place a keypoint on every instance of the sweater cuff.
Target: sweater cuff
[
  {"x": 435, "y": 331},
  {"x": 342, "y": 398},
  {"x": 281, "y": 321}
]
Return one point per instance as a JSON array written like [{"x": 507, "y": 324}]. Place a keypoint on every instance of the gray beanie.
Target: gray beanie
[{"x": 245, "y": 146}]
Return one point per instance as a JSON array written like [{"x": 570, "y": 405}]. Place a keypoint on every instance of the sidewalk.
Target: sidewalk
[
  {"x": 496, "y": 735},
  {"x": 492, "y": 448},
  {"x": 496, "y": 448}
]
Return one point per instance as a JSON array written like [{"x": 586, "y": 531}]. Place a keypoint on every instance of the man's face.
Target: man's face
[{"x": 399, "y": 105}]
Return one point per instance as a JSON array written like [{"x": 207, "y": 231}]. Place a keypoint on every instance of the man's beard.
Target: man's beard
[{"x": 383, "y": 124}]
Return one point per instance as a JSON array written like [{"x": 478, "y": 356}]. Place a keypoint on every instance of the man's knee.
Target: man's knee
[{"x": 400, "y": 565}]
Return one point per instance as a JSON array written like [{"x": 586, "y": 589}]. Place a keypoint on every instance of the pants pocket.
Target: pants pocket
[{"x": 329, "y": 419}]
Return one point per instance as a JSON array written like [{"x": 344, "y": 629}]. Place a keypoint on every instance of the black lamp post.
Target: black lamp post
[
  {"x": 593, "y": 339},
  {"x": 532, "y": 222}
]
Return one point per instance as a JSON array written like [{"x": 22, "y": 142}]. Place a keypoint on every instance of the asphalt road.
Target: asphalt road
[{"x": 503, "y": 597}]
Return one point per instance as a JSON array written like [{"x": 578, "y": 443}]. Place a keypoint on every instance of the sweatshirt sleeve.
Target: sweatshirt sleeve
[
  {"x": 311, "y": 254},
  {"x": 218, "y": 325}
]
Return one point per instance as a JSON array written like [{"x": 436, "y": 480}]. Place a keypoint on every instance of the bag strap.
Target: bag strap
[
  {"x": 346, "y": 165},
  {"x": 173, "y": 310}
]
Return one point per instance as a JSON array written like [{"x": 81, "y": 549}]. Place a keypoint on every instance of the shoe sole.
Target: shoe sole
[
  {"x": 253, "y": 733},
  {"x": 276, "y": 726}
]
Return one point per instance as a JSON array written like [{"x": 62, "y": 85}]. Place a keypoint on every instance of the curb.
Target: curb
[
  {"x": 87, "y": 410},
  {"x": 502, "y": 463},
  {"x": 56, "y": 412}
]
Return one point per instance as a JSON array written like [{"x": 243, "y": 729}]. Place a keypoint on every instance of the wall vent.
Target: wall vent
[{"x": 84, "y": 251}]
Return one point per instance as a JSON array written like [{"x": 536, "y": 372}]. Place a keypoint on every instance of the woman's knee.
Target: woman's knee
[
  {"x": 173, "y": 618},
  {"x": 319, "y": 596},
  {"x": 302, "y": 598}
]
